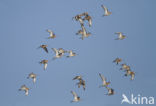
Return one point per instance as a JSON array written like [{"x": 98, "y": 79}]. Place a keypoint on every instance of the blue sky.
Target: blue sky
[{"x": 23, "y": 28}]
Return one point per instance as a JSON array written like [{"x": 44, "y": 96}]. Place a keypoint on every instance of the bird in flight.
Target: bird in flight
[
  {"x": 33, "y": 76},
  {"x": 44, "y": 47},
  {"x": 78, "y": 18},
  {"x": 24, "y": 88},
  {"x": 58, "y": 53},
  {"x": 45, "y": 62},
  {"x": 104, "y": 82},
  {"x": 117, "y": 60},
  {"x": 110, "y": 91},
  {"x": 52, "y": 34},
  {"x": 81, "y": 82},
  {"x": 88, "y": 18},
  {"x": 77, "y": 78},
  {"x": 83, "y": 32},
  {"x": 76, "y": 97},
  {"x": 125, "y": 67},
  {"x": 107, "y": 13},
  {"x": 131, "y": 73},
  {"x": 120, "y": 36},
  {"x": 71, "y": 53}
]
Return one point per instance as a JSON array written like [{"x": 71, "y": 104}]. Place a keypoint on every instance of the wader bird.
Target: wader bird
[
  {"x": 45, "y": 62},
  {"x": 107, "y": 13},
  {"x": 83, "y": 33},
  {"x": 88, "y": 18},
  {"x": 125, "y": 67},
  {"x": 131, "y": 73},
  {"x": 104, "y": 83},
  {"x": 24, "y": 88},
  {"x": 117, "y": 60},
  {"x": 52, "y": 35},
  {"x": 110, "y": 91},
  {"x": 57, "y": 53},
  {"x": 78, "y": 18},
  {"x": 44, "y": 47},
  {"x": 77, "y": 78},
  {"x": 120, "y": 36},
  {"x": 81, "y": 82},
  {"x": 33, "y": 76},
  {"x": 76, "y": 97},
  {"x": 71, "y": 53}
]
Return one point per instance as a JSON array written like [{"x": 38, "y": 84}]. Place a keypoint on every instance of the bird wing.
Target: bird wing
[
  {"x": 45, "y": 66},
  {"x": 45, "y": 49},
  {"x": 74, "y": 94},
  {"x": 103, "y": 78},
  {"x": 55, "y": 50}
]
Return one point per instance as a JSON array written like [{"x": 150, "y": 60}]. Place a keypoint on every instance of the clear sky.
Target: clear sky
[{"x": 23, "y": 25}]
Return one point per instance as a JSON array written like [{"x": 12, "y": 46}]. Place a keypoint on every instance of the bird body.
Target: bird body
[
  {"x": 44, "y": 47},
  {"x": 110, "y": 91},
  {"x": 120, "y": 36},
  {"x": 76, "y": 97},
  {"x": 71, "y": 53},
  {"x": 24, "y": 88},
  {"x": 52, "y": 35},
  {"x": 107, "y": 13},
  {"x": 104, "y": 82},
  {"x": 45, "y": 62},
  {"x": 33, "y": 76},
  {"x": 117, "y": 60}
]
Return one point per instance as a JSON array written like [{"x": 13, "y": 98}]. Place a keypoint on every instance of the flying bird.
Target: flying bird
[
  {"x": 45, "y": 62},
  {"x": 71, "y": 53},
  {"x": 110, "y": 91},
  {"x": 83, "y": 32},
  {"x": 81, "y": 82},
  {"x": 131, "y": 73},
  {"x": 78, "y": 18},
  {"x": 88, "y": 18},
  {"x": 76, "y": 97},
  {"x": 104, "y": 82},
  {"x": 57, "y": 53},
  {"x": 33, "y": 76},
  {"x": 120, "y": 36},
  {"x": 107, "y": 13},
  {"x": 77, "y": 78},
  {"x": 125, "y": 67},
  {"x": 24, "y": 88},
  {"x": 44, "y": 47},
  {"x": 117, "y": 60},
  {"x": 52, "y": 35}
]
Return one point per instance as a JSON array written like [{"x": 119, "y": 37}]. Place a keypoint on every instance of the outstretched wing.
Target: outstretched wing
[{"x": 103, "y": 78}]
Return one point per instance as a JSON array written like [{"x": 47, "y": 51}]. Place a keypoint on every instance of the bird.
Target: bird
[
  {"x": 107, "y": 13},
  {"x": 120, "y": 36},
  {"x": 57, "y": 53},
  {"x": 71, "y": 53},
  {"x": 110, "y": 91},
  {"x": 104, "y": 82},
  {"x": 117, "y": 60},
  {"x": 24, "y": 88},
  {"x": 78, "y": 18},
  {"x": 61, "y": 50},
  {"x": 84, "y": 33},
  {"x": 88, "y": 18},
  {"x": 45, "y": 62},
  {"x": 81, "y": 82},
  {"x": 131, "y": 73},
  {"x": 76, "y": 97},
  {"x": 33, "y": 76},
  {"x": 125, "y": 67},
  {"x": 52, "y": 35},
  {"x": 78, "y": 78},
  {"x": 44, "y": 47}
]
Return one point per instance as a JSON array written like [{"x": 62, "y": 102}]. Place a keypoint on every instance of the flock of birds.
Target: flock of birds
[{"x": 60, "y": 52}]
